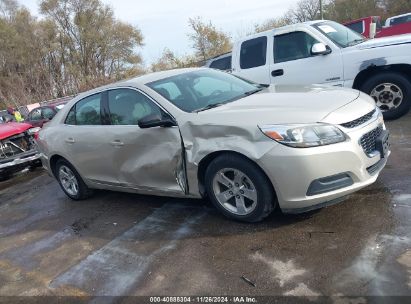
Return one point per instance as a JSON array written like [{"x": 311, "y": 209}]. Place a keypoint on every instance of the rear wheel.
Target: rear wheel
[
  {"x": 70, "y": 181},
  {"x": 239, "y": 189},
  {"x": 391, "y": 92}
]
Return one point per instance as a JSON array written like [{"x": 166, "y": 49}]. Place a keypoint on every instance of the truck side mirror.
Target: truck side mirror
[{"x": 320, "y": 49}]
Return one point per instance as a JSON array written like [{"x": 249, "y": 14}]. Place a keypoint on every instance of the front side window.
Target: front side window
[
  {"x": 128, "y": 106},
  {"x": 253, "y": 53},
  {"x": 339, "y": 34},
  {"x": 292, "y": 46},
  {"x": 86, "y": 111},
  {"x": 204, "y": 88}
]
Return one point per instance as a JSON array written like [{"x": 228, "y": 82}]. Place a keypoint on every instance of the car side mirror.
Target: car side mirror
[
  {"x": 320, "y": 49},
  {"x": 156, "y": 120}
]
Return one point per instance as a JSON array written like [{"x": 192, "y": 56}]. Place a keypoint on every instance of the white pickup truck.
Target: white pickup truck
[{"x": 326, "y": 52}]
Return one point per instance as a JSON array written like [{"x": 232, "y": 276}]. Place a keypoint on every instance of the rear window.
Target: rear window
[{"x": 253, "y": 53}]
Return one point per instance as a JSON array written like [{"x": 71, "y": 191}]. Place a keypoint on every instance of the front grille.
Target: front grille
[
  {"x": 359, "y": 121},
  {"x": 368, "y": 140}
]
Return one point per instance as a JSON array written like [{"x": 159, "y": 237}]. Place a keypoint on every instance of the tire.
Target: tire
[
  {"x": 4, "y": 176},
  {"x": 386, "y": 96},
  {"x": 78, "y": 192},
  {"x": 225, "y": 193}
]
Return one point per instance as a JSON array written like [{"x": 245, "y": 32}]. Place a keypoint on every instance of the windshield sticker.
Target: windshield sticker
[{"x": 327, "y": 29}]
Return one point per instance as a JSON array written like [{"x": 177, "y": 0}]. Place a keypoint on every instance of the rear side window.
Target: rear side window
[
  {"x": 48, "y": 113},
  {"x": 253, "y": 53},
  {"x": 357, "y": 27},
  {"x": 127, "y": 107},
  {"x": 222, "y": 64},
  {"x": 35, "y": 114},
  {"x": 292, "y": 46},
  {"x": 86, "y": 111}
]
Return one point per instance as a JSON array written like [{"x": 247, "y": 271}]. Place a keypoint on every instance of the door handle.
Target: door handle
[
  {"x": 70, "y": 140},
  {"x": 117, "y": 143},
  {"x": 276, "y": 73}
]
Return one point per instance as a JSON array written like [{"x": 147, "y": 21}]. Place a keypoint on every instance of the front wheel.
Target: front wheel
[
  {"x": 239, "y": 189},
  {"x": 391, "y": 92}
]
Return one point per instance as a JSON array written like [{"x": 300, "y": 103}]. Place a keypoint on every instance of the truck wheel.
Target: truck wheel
[
  {"x": 391, "y": 92},
  {"x": 70, "y": 181},
  {"x": 4, "y": 176},
  {"x": 239, "y": 189}
]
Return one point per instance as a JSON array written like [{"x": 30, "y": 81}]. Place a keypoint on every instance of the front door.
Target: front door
[
  {"x": 294, "y": 64},
  {"x": 145, "y": 159}
]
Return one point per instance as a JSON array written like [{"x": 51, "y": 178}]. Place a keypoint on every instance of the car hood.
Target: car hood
[
  {"x": 12, "y": 128},
  {"x": 385, "y": 41},
  {"x": 284, "y": 104}
]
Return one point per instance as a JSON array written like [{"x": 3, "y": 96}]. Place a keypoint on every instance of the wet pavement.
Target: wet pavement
[{"x": 125, "y": 244}]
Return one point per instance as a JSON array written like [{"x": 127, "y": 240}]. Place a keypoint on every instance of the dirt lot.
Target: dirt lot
[{"x": 123, "y": 244}]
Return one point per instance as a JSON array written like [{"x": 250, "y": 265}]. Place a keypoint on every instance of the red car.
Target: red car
[
  {"x": 41, "y": 115},
  {"x": 17, "y": 148}
]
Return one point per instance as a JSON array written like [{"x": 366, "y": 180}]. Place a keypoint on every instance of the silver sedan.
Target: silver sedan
[{"x": 198, "y": 133}]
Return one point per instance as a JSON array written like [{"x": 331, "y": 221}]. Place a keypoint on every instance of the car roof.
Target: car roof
[
  {"x": 282, "y": 28},
  {"x": 135, "y": 82},
  {"x": 398, "y": 16},
  {"x": 147, "y": 78}
]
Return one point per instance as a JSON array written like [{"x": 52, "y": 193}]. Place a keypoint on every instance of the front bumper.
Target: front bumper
[
  {"x": 344, "y": 168},
  {"x": 20, "y": 160}
]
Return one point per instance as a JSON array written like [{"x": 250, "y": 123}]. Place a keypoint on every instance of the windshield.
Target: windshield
[
  {"x": 340, "y": 34},
  {"x": 203, "y": 89}
]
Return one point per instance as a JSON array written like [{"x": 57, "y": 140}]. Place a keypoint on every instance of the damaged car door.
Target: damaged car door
[{"x": 146, "y": 158}]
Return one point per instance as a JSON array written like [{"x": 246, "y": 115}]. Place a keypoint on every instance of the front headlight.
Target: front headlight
[
  {"x": 33, "y": 130},
  {"x": 303, "y": 135}
]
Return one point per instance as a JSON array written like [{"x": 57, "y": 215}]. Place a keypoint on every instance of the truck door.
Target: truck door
[
  {"x": 251, "y": 61},
  {"x": 293, "y": 62}
]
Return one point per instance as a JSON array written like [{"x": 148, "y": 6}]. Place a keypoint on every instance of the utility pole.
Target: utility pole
[{"x": 321, "y": 10}]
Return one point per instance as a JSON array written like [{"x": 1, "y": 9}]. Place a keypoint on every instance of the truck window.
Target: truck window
[
  {"x": 400, "y": 20},
  {"x": 292, "y": 46},
  {"x": 253, "y": 53},
  {"x": 222, "y": 64},
  {"x": 356, "y": 26}
]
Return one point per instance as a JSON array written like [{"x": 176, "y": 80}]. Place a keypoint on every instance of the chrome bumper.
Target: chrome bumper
[{"x": 20, "y": 159}]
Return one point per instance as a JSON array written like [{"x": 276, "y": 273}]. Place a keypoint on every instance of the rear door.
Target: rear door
[
  {"x": 251, "y": 61},
  {"x": 294, "y": 64},
  {"x": 85, "y": 142},
  {"x": 145, "y": 159}
]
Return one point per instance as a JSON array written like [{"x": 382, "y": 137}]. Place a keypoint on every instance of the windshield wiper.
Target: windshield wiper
[
  {"x": 210, "y": 106},
  {"x": 355, "y": 42},
  {"x": 252, "y": 92}
]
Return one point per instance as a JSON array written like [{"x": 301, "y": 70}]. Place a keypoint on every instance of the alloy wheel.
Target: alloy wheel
[
  {"x": 387, "y": 96},
  {"x": 235, "y": 191},
  {"x": 68, "y": 180}
]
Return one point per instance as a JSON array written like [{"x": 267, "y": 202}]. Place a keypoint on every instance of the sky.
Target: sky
[{"x": 164, "y": 23}]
